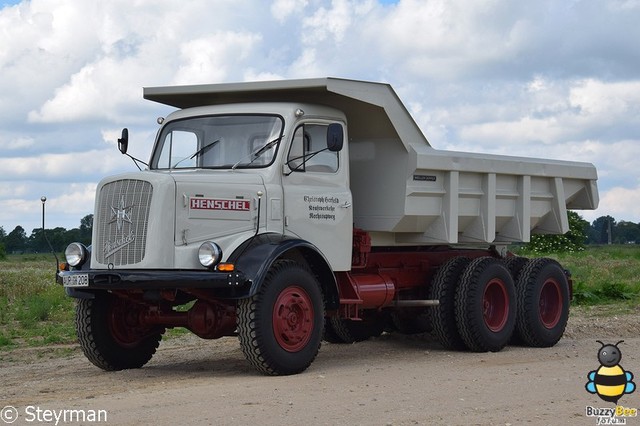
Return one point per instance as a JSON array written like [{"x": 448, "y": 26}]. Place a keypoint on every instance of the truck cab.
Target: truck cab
[{"x": 224, "y": 174}]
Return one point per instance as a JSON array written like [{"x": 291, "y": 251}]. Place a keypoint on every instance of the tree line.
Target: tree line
[
  {"x": 18, "y": 242},
  {"x": 603, "y": 230}
]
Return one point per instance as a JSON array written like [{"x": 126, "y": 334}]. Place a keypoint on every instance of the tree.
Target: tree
[
  {"x": 86, "y": 228},
  {"x": 627, "y": 233},
  {"x": 574, "y": 240},
  {"x": 3, "y": 252},
  {"x": 16, "y": 240},
  {"x": 600, "y": 229}
]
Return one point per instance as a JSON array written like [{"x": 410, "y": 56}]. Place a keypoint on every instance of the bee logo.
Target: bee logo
[{"x": 610, "y": 381}]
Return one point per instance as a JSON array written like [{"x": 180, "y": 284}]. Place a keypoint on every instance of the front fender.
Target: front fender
[{"x": 255, "y": 257}]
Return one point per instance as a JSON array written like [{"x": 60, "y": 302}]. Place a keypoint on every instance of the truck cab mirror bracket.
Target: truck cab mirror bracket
[{"x": 123, "y": 145}]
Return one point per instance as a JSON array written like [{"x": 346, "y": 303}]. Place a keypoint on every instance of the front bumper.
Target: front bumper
[{"x": 233, "y": 284}]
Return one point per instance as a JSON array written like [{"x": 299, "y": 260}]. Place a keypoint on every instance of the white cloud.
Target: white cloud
[
  {"x": 19, "y": 142},
  {"x": 14, "y": 191},
  {"x": 607, "y": 101},
  {"x": 283, "y": 9},
  {"x": 62, "y": 166},
  {"x": 64, "y": 209},
  {"x": 205, "y": 60},
  {"x": 534, "y": 78},
  {"x": 619, "y": 202},
  {"x": 324, "y": 23}
]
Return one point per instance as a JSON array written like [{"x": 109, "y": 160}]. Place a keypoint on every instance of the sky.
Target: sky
[{"x": 534, "y": 78}]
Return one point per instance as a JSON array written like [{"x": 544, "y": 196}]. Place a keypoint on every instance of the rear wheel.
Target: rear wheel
[
  {"x": 110, "y": 333},
  {"x": 515, "y": 264},
  {"x": 485, "y": 305},
  {"x": 443, "y": 316},
  {"x": 543, "y": 303},
  {"x": 350, "y": 331},
  {"x": 280, "y": 328},
  {"x": 411, "y": 320}
]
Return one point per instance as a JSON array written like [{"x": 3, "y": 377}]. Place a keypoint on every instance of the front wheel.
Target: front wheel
[
  {"x": 280, "y": 328},
  {"x": 111, "y": 335}
]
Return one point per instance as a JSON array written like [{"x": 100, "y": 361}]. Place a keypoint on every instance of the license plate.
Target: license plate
[{"x": 76, "y": 280}]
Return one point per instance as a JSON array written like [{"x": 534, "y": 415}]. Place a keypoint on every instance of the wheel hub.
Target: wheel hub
[
  {"x": 550, "y": 305},
  {"x": 495, "y": 305},
  {"x": 293, "y": 319}
]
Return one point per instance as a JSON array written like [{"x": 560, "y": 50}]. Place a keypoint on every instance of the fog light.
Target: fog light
[
  {"x": 209, "y": 254},
  {"x": 76, "y": 254}
]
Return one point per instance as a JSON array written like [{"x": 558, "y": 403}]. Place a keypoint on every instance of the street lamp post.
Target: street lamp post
[
  {"x": 44, "y": 200},
  {"x": 44, "y": 235}
]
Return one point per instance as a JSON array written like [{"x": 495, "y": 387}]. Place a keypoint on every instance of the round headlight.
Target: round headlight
[
  {"x": 209, "y": 254},
  {"x": 76, "y": 254}
]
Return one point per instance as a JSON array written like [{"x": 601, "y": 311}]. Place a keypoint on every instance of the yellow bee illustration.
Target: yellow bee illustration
[{"x": 610, "y": 381}]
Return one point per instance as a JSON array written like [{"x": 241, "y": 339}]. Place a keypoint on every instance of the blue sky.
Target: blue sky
[{"x": 535, "y": 78}]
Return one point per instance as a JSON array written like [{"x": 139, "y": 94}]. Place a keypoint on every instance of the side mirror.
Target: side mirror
[
  {"x": 123, "y": 142},
  {"x": 335, "y": 137}
]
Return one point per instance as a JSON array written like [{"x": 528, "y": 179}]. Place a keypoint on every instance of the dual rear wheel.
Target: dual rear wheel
[{"x": 486, "y": 301}]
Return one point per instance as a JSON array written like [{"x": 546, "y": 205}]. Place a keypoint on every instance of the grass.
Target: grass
[
  {"x": 35, "y": 312},
  {"x": 603, "y": 274}
]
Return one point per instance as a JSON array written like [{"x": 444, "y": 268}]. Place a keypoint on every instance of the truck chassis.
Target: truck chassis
[{"x": 469, "y": 299}]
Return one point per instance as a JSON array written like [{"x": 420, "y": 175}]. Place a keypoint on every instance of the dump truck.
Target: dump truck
[{"x": 291, "y": 212}]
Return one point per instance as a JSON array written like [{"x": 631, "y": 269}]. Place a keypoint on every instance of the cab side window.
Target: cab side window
[{"x": 309, "y": 153}]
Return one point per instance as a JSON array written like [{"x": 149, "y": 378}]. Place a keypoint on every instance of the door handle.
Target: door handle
[{"x": 346, "y": 205}]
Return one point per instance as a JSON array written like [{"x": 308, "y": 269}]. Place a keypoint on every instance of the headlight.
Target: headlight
[
  {"x": 209, "y": 254},
  {"x": 76, "y": 254}
]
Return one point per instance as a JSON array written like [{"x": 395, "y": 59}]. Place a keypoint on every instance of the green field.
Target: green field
[{"x": 34, "y": 310}]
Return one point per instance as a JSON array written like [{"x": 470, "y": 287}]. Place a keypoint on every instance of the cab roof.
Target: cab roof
[{"x": 373, "y": 110}]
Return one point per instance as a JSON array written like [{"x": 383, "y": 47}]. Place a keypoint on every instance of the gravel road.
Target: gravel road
[{"x": 390, "y": 380}]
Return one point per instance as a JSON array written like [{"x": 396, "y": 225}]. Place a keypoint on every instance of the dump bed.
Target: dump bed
[{"x": 406, "y": 192}]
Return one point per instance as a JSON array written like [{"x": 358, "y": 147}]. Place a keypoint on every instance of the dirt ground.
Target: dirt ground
[{"x": 390, "y": 380}]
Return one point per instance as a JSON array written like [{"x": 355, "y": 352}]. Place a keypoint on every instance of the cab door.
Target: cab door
[{"x": 317, "y": 199}]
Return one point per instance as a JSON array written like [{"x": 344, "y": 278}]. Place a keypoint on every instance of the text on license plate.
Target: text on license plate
[{"x": 76, "y": 280}]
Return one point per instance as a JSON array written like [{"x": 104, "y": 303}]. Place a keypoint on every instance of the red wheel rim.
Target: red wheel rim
[
  {"x": 495, "y": 305},
  {"x": 550, "y": 304},
  {"x": 124, "y": 324},
  {"x": 293, "y": 319}
]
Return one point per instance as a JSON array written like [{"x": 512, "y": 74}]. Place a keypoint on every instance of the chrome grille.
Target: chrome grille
[{"x": 122, "y": 217}]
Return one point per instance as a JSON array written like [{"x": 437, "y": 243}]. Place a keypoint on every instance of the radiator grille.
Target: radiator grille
[{"x": 122, "y": 217}]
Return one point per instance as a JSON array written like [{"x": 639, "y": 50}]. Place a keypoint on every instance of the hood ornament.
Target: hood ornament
[{"x": 121, "y": 214}]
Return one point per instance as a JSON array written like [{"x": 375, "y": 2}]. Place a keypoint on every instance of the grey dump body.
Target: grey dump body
[{"x": 404, "y": 191}]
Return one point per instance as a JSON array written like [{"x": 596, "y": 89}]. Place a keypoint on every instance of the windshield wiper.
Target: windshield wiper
[
  {"x": 198, "y": 152},
  {"x": 256, "y": 154},
  {"x": 305, "y": 157}
]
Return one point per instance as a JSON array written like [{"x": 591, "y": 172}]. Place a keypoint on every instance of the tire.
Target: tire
[
  {"x": 280, "y": 328},
  {"x": 411, "y": 321},
  {"x": 515, "y": 264},
  {"x": 349, "y": 331},
  {"x": 330, "y": 334},
  {"x": 542, "y": 295},
  {"x": 110, "y": 335},
  {"x": 485, "y": 305},
  {"x": 443, "y": 317}
]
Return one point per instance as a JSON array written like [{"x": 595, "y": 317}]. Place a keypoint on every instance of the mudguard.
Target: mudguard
[{"x": 255, "y": 257}]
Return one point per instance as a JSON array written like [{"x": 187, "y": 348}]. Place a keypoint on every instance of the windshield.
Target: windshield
[{"x": 220, "y": 142}]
